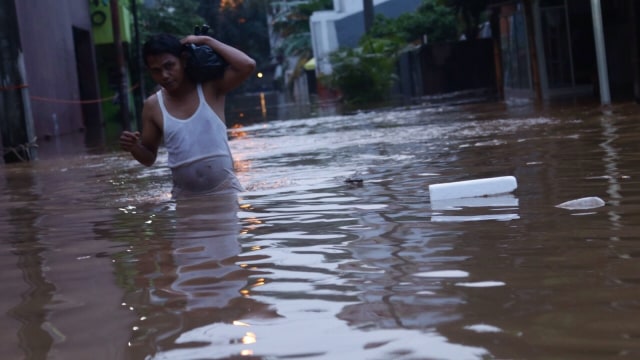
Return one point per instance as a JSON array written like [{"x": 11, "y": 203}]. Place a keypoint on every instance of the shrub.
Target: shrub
[
  {"x": 437, "y": 22},
  {"x": 365, "y": 74}
]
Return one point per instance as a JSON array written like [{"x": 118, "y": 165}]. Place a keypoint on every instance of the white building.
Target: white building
[{"x": 344, "y": 26}]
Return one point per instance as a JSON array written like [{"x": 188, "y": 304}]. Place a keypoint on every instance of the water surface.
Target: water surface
[{"x": 98, "y": 262}]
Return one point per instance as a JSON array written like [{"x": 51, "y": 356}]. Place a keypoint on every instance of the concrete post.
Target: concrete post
[
  {"x": 601, "y": 52},
  {"x": 533, "y": 53},
  {"x": 123, "y": 90},
  {"x": 28, "y": 114}
]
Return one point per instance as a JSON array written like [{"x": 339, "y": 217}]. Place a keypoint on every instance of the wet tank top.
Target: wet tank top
[{"x": 203, "y": 135}]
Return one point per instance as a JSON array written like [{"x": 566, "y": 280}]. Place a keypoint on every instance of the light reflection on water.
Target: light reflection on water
[{"x": 98, "y": 262}]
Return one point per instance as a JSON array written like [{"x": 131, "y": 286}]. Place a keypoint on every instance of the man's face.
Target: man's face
[{"x": 166, "y": 70}]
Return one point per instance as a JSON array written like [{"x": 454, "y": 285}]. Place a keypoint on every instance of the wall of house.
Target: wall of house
[
  {"x": 351, "y": 28},
  {"x": 13, "y": 128},
  {"x": 47, "y": 36},
  {"x": 579, "y": 71},
  {"x": 448, "y": 70},
  {"x": 619, "y": 20},
  {"x": 344, "y": 27}
]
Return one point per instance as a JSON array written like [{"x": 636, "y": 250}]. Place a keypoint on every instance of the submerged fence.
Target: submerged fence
[{"x": 445, "y": 68}]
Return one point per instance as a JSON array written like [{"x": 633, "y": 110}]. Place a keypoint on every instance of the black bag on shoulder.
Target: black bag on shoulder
[{"x": 203, "y": 64}]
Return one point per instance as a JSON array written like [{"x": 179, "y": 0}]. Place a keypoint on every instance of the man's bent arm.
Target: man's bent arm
[
  {"x": 144, "y": 148},
  {"x": 241, "y": 65},
  {"x": 144, "y": 156}
]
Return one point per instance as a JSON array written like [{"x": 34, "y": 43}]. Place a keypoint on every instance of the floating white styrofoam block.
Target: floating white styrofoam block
[
  {"x": 582, "y": 203},
  {"x": 469, "y": 218},
  {"x": 443, "y": 274},
  {"x": 498, "y": 201},
  {"x": 473, "y": 188}
]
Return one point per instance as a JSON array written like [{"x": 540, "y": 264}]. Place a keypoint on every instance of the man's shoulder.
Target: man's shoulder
[
  {"x": 152, "y": 100},
  {"x": 151, "y": 109}
]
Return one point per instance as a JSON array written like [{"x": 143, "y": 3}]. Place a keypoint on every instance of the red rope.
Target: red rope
[
  {"x": 13, "y": 87},
  {"x": 63, "y": 101}
]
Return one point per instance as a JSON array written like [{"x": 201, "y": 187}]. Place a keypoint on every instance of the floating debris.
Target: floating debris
[
  {"x": 483, "y": 328},
  {"x": 481, "y": 284},
  {"x": 473, "y": 188},
  {"x": 354, "y": 181},
  {"x": 582, "y": 203},
  {"x": 443, "y": 274}
]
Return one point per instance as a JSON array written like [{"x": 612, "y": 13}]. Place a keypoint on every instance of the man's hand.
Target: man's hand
[
  {"x": 129, "y": 140},
  {"x": 196, "y": 39}
]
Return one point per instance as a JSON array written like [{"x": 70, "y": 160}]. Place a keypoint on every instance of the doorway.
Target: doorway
[{"x": 88, "y": 86}]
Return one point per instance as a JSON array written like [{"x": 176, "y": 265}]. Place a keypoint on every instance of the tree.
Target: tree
[
  {"x": 209, "y": 10},
  {"x": 364, "y": 75},
  {"x": 432, "y": 19},
  {"x": 470, "y": 13},
  {"x": 177, "y": 17},
  {"x": 293, "y": 26},
  {"x": 243, "y": 24}
]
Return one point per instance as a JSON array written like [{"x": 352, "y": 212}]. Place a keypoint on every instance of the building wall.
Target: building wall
[
  {"x": 351, "y": 28},
  {"x": 102, "y": 29},
  {"x": 578, "y": 73},
  {"x": 47, "y": 37},
  {"x": 13, "y": 129},
  {"x": 622, "y": 44},
  {"x": 344, "y": 27}
]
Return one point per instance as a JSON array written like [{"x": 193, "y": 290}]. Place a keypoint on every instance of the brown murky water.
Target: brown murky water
[{"x": 98, "y": 263}]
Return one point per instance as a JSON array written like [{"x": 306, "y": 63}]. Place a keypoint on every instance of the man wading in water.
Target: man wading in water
[{"x": 188, "y": 116}]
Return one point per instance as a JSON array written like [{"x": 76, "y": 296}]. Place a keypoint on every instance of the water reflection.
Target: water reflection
[
  {"x": 261, "y": 107},
  {"x": 184, "y": 273},
  {"x": 97, "y": 261},
  {"x": 501, "y": 207},
  {"x": 57, "y": 276},
  {"x": 37, "y": 291}
]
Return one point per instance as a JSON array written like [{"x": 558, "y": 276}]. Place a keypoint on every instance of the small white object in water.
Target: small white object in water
[
  {"x": 483, "y": 328},
  {"x": 473, "y": 188},
  {"x": 582, "y": 203},
  {"x": 443, "y": 274},
  {"x": 479, "y": 284}
]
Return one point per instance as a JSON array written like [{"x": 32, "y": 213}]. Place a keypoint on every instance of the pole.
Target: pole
[
  {"x": 139, "y": 62},
  {"x": 497, "y": 51},
  {"x": 368, "y": 14},
  {"x": 601, "y": 52},
  {"x": 31, "y": 149},
  {"x": 123, "y": 95},
  {"x": 533, "y": 53},
  {"x": 634, "y": 40}
]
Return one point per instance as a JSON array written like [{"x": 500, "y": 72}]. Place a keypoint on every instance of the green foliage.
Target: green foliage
[
  {"x": 177, "y": 17},
  {"x": 432, "y": 19},
  {"x": 245, "y": 27},
  {"x": 470, "y": 13},
  {"x": 364, "y": 74},
  {"x": 294, "y": 27},
  {"x": 242, "y": 25}
]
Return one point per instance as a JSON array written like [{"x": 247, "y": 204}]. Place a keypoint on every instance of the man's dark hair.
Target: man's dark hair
[{"x": 162, "y": 44}]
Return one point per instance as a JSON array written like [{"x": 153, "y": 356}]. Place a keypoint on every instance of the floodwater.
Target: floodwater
[{"x": 97, "y": 262}]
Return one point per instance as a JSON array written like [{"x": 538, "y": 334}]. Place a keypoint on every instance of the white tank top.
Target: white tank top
[{"x": 202, "y": 135}]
